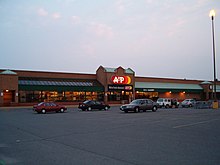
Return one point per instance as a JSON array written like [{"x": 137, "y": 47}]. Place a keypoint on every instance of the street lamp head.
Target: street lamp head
[{"x": 212, "y": 14}]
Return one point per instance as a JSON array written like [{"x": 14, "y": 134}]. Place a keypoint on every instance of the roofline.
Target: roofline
[
  {"x": 170, "y": 80},
  {"x": 41, "y": 71},
  {"x": 47, "y": 71},
  {"x": 21, "y": 73}
]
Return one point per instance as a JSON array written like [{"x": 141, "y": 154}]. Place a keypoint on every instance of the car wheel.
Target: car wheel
[
  {"x": 106, "y": 108},
  {"x": 167, "y": 106},
  {"x": 126, "y": 111},
  {"x": 61, "y": 110},
  {"x": 89, "y": 108},
  {"x": 136, "y": 109},
  {"x": 154, "y": 109},
  {"x": 43, "y": 111}
]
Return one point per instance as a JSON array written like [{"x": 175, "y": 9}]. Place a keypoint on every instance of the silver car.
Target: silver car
[
  {"x": 140, "y": 104},
  {"x": 188, "y": 103}
]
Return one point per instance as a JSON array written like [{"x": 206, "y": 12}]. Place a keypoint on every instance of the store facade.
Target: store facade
[
  {"x": 110, "y": 85},
  {"x": 181, "y": 91},
  {"x": 28, "y": 87},
  {"x": 118, "y": 84}
]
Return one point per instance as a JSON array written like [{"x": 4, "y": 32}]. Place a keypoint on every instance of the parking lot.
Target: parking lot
[{"x": 183, "y": 136}]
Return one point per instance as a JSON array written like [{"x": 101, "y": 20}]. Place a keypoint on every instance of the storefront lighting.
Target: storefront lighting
[
  {"x": 170, "y": 92},
  {"x": 7, "y": 90},
  {"x": 184, "y": 92}
]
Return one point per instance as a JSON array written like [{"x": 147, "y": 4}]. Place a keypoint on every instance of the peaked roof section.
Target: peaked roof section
[
  {"x": 112, "y": 70},
  {"x": 205, "y": 82},
  {"x": 8, "y": 72}
]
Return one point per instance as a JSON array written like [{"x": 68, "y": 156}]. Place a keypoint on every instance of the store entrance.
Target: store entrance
[
  {"x": 121, "y": 96},
  {"x": 8, "y": 97}
]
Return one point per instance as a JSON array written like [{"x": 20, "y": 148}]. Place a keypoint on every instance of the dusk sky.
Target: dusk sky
[{"x": 155, "y": 38}]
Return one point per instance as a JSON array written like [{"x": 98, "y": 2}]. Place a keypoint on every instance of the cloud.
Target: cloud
[
  {"x": 123, "y": 6},
  {"x": 56, "y": 15},
  {"x": 42, "y": 12},
  {"x": 149, "y": 1},
  {"x": 176, "y": 26},
  {"x": 75, "y": 19},
  {"x": 89, "y": 49},
  {"x": 101, "y": 30},
  {"x": 120, "y": 6}
]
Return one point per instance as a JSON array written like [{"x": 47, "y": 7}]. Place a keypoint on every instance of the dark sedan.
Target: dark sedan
[
  {"x": 140, "y": 104},
  {"x": 92, "y": 104},
  {"x": 44, "y": 107}
]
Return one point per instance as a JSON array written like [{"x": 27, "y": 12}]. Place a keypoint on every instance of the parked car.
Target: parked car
[
  {"x": 203, "y": 104},
  {"x": 44, "y": 107},
  {"x": 92, "y": 104},
  {"x": 140, "y": 104},
  {"x": 188, "y": 103},
  {"x": 168, "y": 102}
]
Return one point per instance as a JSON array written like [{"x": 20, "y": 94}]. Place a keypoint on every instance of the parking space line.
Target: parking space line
[{"x": 192, "y": 124}]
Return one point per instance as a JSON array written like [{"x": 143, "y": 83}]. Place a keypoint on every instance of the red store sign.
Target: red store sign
[{"x": 121, "y": 79}]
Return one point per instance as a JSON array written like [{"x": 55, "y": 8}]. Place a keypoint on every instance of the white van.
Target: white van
[{"x": 167, "y": 102}]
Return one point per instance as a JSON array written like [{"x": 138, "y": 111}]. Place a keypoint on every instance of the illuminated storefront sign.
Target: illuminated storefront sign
[
  {"x": 120, "y": 87},
  {"x": 121, "y": 79},
  {"x": 148, "y": 90}
]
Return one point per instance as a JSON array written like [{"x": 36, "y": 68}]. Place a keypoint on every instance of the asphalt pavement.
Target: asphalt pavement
[{"x": 181, "y": 136}]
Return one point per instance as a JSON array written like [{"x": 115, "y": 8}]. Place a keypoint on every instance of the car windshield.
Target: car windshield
[
  {"x": 53, "y": 104},
  {"x": 136, "y": 102},
  {"x": 40, "y": 104},
  {"x": 97, "y": 102},
  {"x": 87, "y": 101},
  {"x": 160, "y": 100}
]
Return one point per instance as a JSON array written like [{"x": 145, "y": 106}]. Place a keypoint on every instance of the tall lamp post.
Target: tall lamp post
[{"x": 212, "y": 15}]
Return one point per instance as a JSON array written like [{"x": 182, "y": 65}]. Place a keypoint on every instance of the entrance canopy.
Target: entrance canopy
[
  {"x": 31, "y": 84},
  {"x": 163, "y": 87}
]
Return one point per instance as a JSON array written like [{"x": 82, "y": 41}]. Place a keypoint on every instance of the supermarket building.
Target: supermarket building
[{"x": 111, "y": 85}]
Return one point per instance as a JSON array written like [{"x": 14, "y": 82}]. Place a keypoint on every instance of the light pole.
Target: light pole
[{"x": 212, "y": 15}]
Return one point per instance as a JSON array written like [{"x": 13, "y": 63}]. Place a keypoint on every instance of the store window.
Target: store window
[
  {"x": 29, "y": 96},
  {"x": 39, "y": 96},
  {"x": 119, "y": 95},
  {"x": 113, "y": 96},
  {"x": 150, "y": 95}
]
